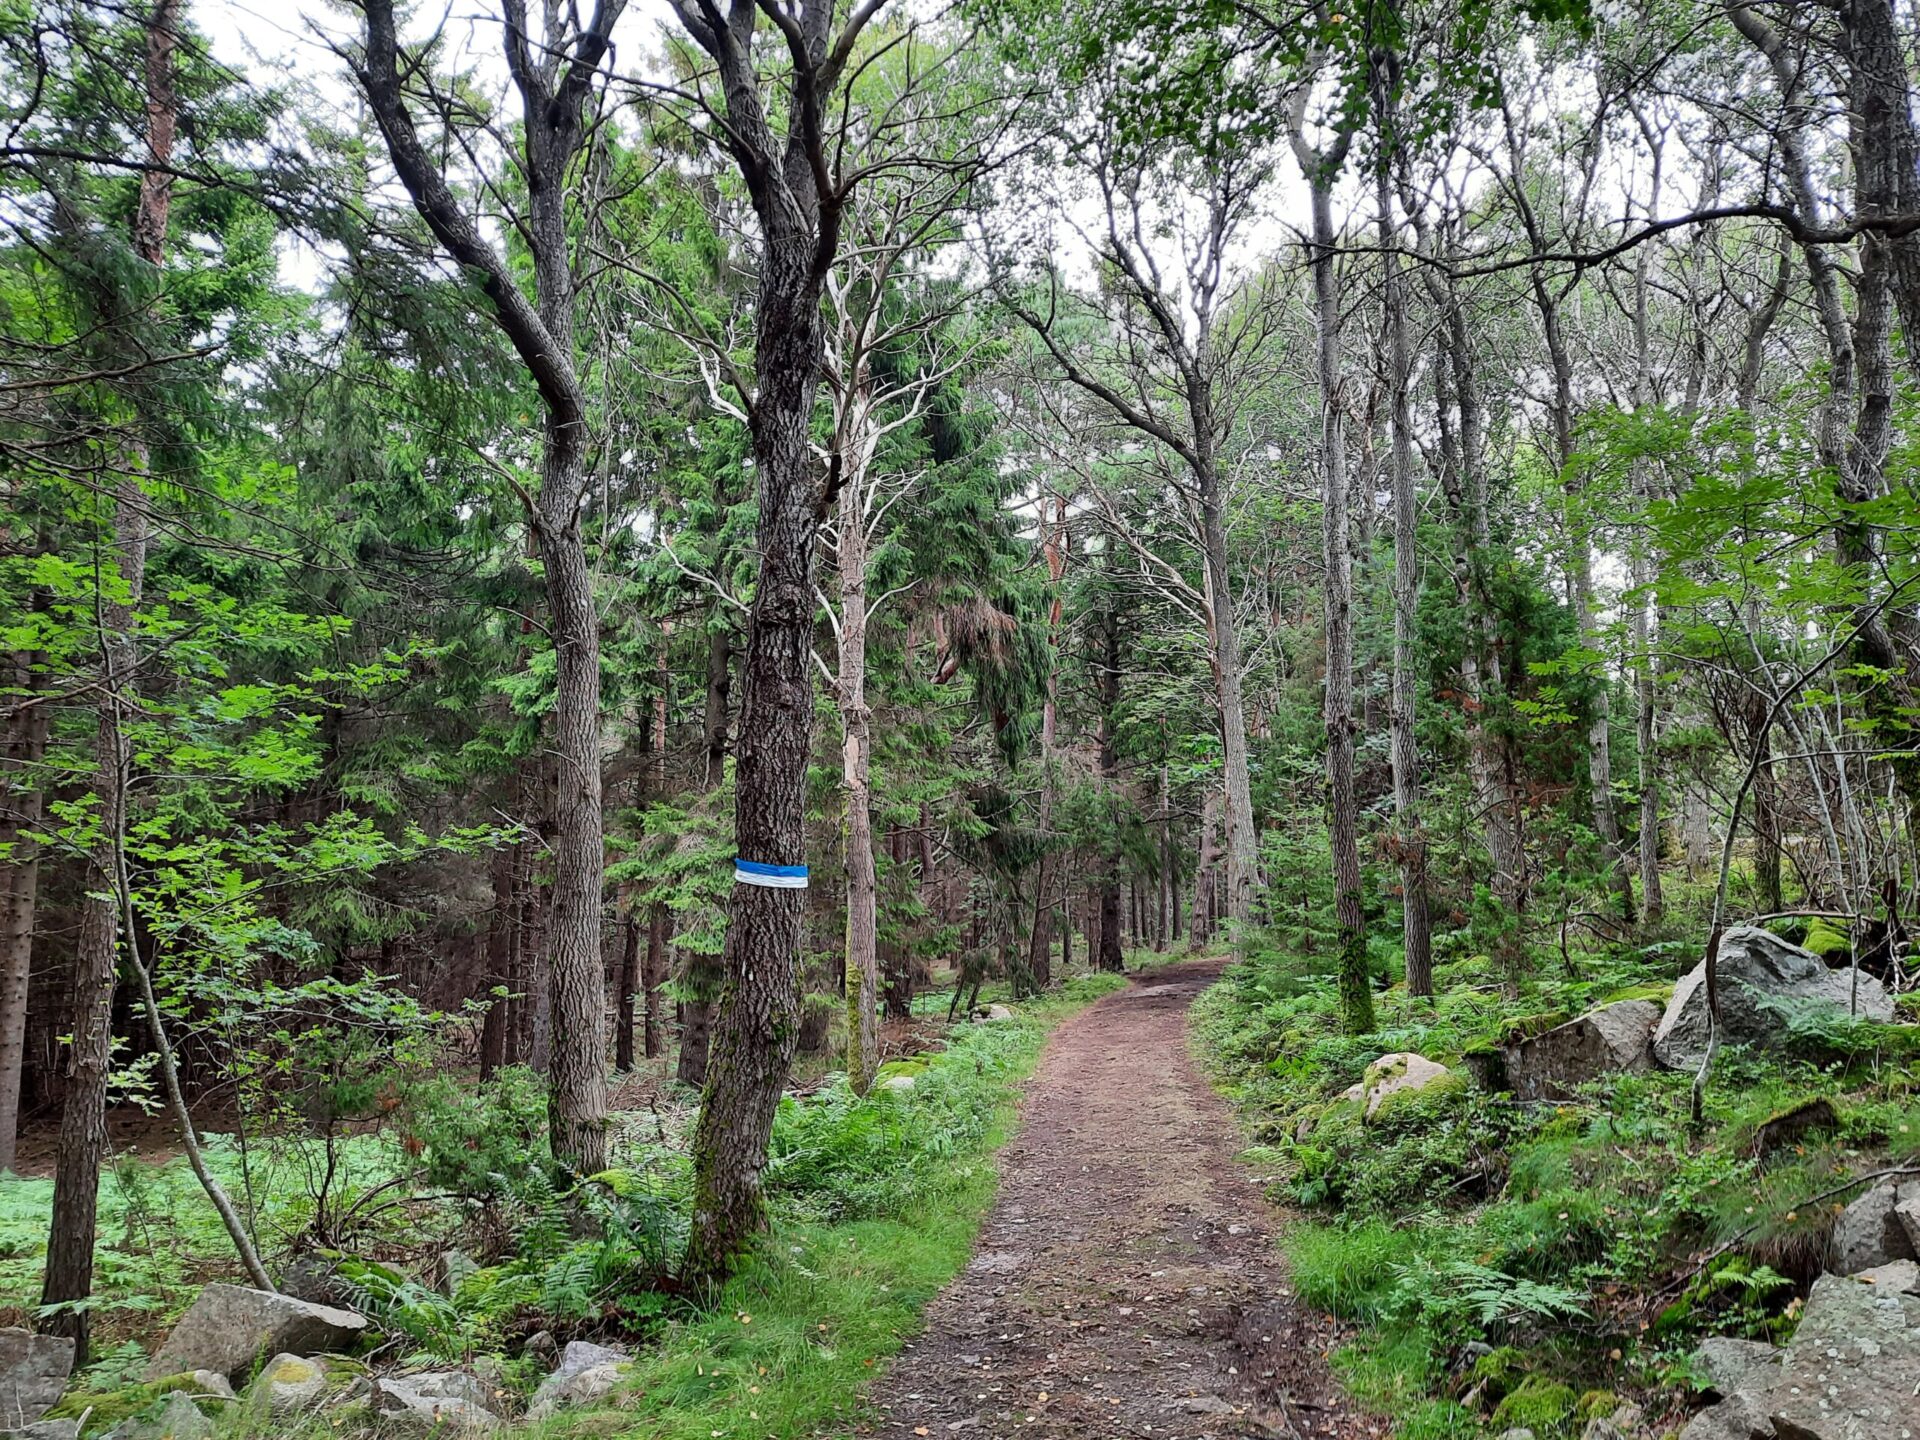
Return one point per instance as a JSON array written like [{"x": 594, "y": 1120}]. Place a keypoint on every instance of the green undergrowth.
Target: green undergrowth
[
  {"x": 874, "y": 1203},
  {"x": 1563, "y": 1235},
  {"x": 877, "y": 1205}
]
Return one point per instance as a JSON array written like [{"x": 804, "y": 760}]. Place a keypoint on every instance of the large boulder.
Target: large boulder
[
  {"x": 33, "y": 1373},
  {"x": 1757, "y": 971},
  {"x": 586, "y": 1373},
  {"x": 228, "y": 1328},
  {"x": 1606, "y": 1041},
  {"x": 1849, "y": 1373},
  {"x": 1871, "y": 1232},
  {"x": 1398, "y": 1074},
  {"x": 442, "y": 1403}
]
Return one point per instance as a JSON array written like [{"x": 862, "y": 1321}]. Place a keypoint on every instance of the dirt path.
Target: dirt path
[{"x": 1126, "y": 1282}]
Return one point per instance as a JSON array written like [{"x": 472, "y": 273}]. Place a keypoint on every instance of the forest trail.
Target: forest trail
[{"x": 1126, "y": 1281}]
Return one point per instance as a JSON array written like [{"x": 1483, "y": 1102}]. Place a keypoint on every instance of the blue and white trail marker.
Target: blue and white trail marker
[{"x": 772, "y": 877}]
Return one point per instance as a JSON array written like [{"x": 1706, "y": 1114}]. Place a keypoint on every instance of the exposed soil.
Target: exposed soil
[{"x": 1126, "y": 1281}]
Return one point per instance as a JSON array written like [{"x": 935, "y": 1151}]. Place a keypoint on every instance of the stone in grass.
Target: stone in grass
[
  {"x": 46, "y": 1430},
  {"x": 228, "y": 1328},
  {"x": 1614, "y": 1039},
  {"x": 33, "y": 1373},
  {"x": 105, "y": 1409},
  {"x": 1851, "y": 1365},
  {"x": 288, "y": 1384},
  {"x": 586, "y": 1373},
  {"x": 1537, "y": 1401},
  {"x": 1722, "y": 1364},
  {"x": 1870, "y": 1231},
  {"x": 1402, "y": 1073},
  {"x": 1794, "y": 1126},
  {"x": 441, "y": 1403},
  {"x": 175, "y": 1418},
  {"x": 1762, "y": 981}
]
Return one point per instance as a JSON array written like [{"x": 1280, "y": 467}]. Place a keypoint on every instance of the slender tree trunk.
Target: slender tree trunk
[
  {"x": 629, "y": 984},
  {"x": 1112, "y": 957},
  {"x": 22, "y": 803},
  {"x": 701, "y": 974},
  {"x": 863, "y": 903},
  {"x": 495, "y": 1029},
  {"x": 653, "y": 969},
  {"x": 68, "y": 1280},
  {"x": 1046, "y": 881},
  {"x": 1410, "y": 841},
  {"x": 1356, "y": 993},
  {"x": 1242, "y": 851},
  {"x": 1209, "y": 857}
]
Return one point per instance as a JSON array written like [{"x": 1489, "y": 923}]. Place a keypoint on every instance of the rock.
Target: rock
[
  {"x": 897, "y": 1082},
  {"x": 541, "y": 1345},
  {"x": 1793, "y": 1126},
  {"x": 1851, "y": 1365},
  {"x": 1628, "y": 1417},
  {"x": 1869, "y": 1232},
  {"x": 1906, "y": 1210},
  {"x": 229, "y": 1327},
  {"x": 1401, "y": 1073},
  {"x": 1739, "y": 1417},
  {"x": 586, "y": 1373},
  {"x": 1756, "y": 965},
  {"x": 1601, "y": 1427},
  {"x": 177, "y": 1418},
  {"x": 210, "y": 1382},
  {"x": 995, "y": 1012},
  {"x": 443, "y": 1403},
  {"x": 288, "y": 1384},
  {"x": 46, "y": 1430},
  {"x": 455, "y": 1267},
  {"x": 1518, "y": 1432},
  {"x": 1205, "y": 1405},
  {"x": 1722, "y": 1364},
  {"x": 1613, "y": 1038},
  {"x": 33, "y": 1373},
  {"x": 316, "y": 1279}
]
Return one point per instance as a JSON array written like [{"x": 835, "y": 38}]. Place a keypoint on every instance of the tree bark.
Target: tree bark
[
  {"x": 1356, "y": 992},
  {"x": 1112, "y": 957},
  {"x": 553, "y": 79},
  {"x": 1410, "y": 839},
  {"x": 68, "y": 1280},
  {"x": 856, "y": 778},
  {"x": 22, "y": 804},
  {"x": 1046, "y": 882}
]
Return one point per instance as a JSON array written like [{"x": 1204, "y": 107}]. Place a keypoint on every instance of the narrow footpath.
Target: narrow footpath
[{"x": 1126, "y": 1282}]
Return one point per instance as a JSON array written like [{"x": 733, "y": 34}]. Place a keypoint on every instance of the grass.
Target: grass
[
  {"x": 1568, "y": 1233},
  {"x": 790, "y": 1341}
]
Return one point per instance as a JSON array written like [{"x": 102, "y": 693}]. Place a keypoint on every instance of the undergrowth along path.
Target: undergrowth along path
[{"x": 1126, "y": 1282}]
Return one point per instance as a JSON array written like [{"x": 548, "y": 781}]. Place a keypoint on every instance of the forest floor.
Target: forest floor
[{"x": 1126, "y": 1280}]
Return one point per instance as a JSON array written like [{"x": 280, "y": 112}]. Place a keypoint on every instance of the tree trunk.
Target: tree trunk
[
  {"x": 68, "y": 1280},
  {"x": 758, "y": 1016},
  {"x": 496, "y": 1028},
  {"x": 1410, "y": 839},
  {"x": 856, "y": 764},
  {"x": 1111, "y": 957},
  {"x": 1356, "y": 993},
  {"x": 629, "y": 984},
  {"x": 1046, "y": 880},
  {"x": 22, "y": 804}
]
